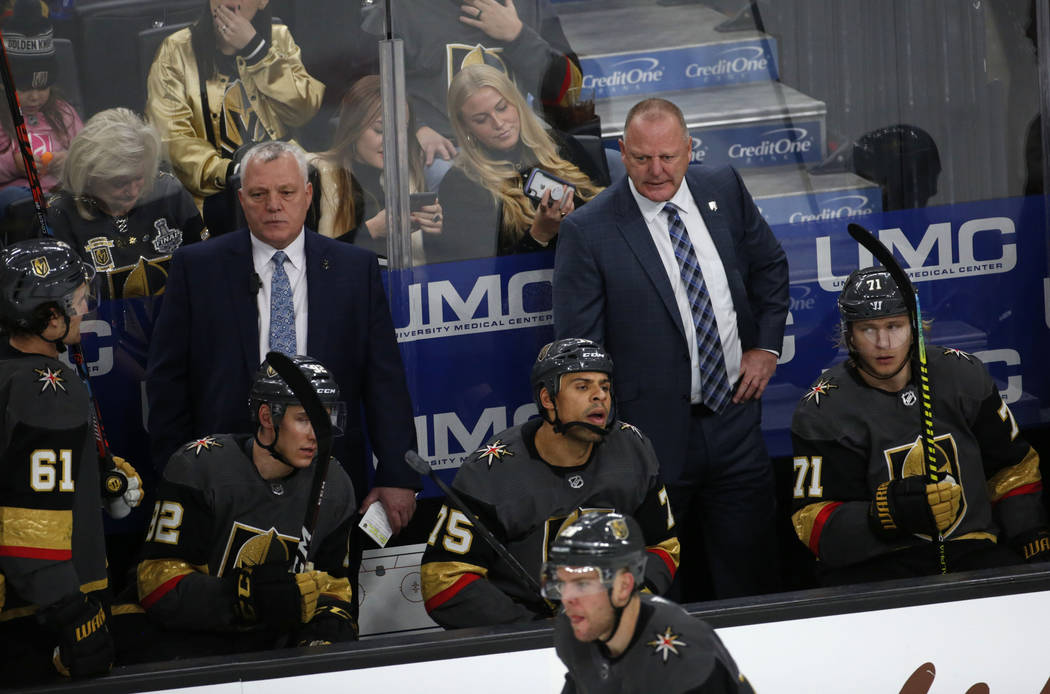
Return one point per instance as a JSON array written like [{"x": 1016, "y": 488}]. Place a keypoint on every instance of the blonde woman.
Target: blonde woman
[
  {"x": 501, "y": 141},
  {"x": 353, "y": 200}
]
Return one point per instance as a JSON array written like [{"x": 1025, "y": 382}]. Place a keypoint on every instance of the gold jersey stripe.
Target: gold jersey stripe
[
  {"x": 1008, "y": 479},
  {"x": 154, "y": 573},
  {"x": 36, "y": 529},
  {"x": 437, "y": 576},
  {"x": 338, "y": 588}
]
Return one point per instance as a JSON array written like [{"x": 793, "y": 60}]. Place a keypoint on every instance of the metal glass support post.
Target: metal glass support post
[{"x": 395, "y": 152}]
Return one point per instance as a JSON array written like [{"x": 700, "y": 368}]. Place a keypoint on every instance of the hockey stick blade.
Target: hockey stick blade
[
  {"x": 418, "y": 464},
  {"x": 322, "y": 424}
]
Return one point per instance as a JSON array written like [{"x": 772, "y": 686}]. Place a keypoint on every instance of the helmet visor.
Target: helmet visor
[
  {"x": 82, "y": 300},
  {"x": 884, "y": 333},
  {"x": 560, "y": 582}
]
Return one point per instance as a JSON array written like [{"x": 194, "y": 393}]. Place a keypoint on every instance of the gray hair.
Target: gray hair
[
  {"x": 275, "y": 149},
  {"x": 114, "y": 143},
  {"x": 654, "y": 108}
]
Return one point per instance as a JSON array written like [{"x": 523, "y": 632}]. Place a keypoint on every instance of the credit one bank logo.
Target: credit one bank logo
[
  {"x": 838, "y": 207},
  {"x": 776, "y": 145},
  {"x": 941, "y": 252},
  {"x": 626, "y": 76},
  {"x": 438, "y": 309},
  {"x": 730, "y": 65}
]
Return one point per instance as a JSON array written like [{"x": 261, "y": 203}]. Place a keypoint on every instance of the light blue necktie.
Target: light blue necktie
[
  {"x": 282, "y": 310},
  {"x": 714, "y": 382}
]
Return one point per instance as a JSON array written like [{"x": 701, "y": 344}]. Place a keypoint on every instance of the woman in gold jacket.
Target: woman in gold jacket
[{"x": 231, "y": 79}]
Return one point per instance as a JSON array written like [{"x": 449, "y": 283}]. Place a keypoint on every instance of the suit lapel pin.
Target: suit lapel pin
[
  {"x": 324, "y": 263},
  {"x": 712, "y": 205}
]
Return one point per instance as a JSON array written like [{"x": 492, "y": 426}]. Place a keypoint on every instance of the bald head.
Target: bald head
[{"x": 655, "y": 148}]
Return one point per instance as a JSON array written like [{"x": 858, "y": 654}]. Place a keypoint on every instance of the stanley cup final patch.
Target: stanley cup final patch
[{"x": 166, "y": 240}]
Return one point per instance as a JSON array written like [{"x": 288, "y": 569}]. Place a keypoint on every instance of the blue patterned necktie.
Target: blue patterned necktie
[
  {"x": 282, "y": 311},
  {"x": 714, "y": 382}
]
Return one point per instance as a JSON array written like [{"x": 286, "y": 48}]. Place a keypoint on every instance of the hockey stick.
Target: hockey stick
[
  {"x": 114, "y": 484},
  {"x": 911, "y": 300},
  {"x": 416, "y": 462},
  {"x": 322, "y": 424}
]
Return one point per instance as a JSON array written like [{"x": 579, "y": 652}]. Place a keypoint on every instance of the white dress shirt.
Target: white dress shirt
[
  {"x": 295, "y": 268},
  {"x": 714, "y": 278}
]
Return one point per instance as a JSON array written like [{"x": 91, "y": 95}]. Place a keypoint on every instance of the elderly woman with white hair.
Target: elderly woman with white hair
[{"x": 117, "y": 210}]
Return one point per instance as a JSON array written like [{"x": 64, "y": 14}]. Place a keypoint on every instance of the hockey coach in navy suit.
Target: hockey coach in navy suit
[
  {"x": 228, "y": 302},
  {"x": 675, "y": 272}
]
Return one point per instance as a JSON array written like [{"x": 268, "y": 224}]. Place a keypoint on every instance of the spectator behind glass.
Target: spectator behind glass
[
  {"x": 230, "y": 80},
  {"x": 352, "y": 195},
  {"x": 117, "y": 211},
  {"x": 50, "y": 121},
  {"x": 441, "y": 37},
  {"x": 502, "y": 140}
]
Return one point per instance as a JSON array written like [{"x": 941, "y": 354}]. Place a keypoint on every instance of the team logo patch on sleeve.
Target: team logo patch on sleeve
[
  {"x": 822, "y": 387},
  {"x": 50, "y": 379},
  {"x": 958, "y": 353},
  {"x": 206, "y": 444},
  {"x": 496, "y": 449},
  {"x": 665, "y": 644},
  {"x": 630, "y": 427}
]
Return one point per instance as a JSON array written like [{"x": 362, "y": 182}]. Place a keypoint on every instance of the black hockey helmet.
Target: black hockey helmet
[
  {"x": 870, "y": 293},
  {"x": 566, "y": 356},
  {"x": 36, "y": 272},
  {"x": 606, "y": 542},
  {"x": 268, "y": 387}
]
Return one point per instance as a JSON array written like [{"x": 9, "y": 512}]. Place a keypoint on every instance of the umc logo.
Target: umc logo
[
  {"x": 955, "y": 255},
  {"x": 438, "y": 309},
  {"x": 446, "y": 440}
]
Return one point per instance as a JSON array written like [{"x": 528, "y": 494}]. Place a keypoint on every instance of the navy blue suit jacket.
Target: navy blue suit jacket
[
  {"x": 610, "y": 286},
  {"x": 205, "y": 351}
]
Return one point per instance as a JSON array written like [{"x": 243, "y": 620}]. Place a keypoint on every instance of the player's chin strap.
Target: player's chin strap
[
  {"x": 271, "y": 448},
  {"x": 59, "y": 342},
  {"x": 617, "y": 615},
  {"x": 859, "y": 363},
  {"x": 561, "y": 427}
]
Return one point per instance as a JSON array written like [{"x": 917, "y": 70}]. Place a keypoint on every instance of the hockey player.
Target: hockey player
[
  {"x": 226, "y": 523},
  {"x": 862, "y": 502},
  {"x": 611, "y": 637},
  {"x": 53, "y": 577},
  {"x": 529, "y": 480}
]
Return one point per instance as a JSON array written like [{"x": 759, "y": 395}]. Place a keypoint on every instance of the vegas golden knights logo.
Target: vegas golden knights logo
[
  {"x": 909, "y": 460},
  {"x": 100, "y": 249},
  {"x": 250, "y": 546},
  {"x": 461, "y": 55},
  {"x": 41, "y": 268}
]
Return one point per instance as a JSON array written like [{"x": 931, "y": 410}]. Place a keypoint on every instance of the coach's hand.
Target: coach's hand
[
  {"x": 85, "y": 646},
  {"x": 398, "y": 502},
  {"x": 756, "y": 368}
]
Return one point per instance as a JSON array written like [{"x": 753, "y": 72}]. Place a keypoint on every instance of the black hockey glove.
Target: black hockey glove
[
  {"x": 332, "y": 623},
  {"x": 85, "y": 646},
  {"x": 910, "y": 505},
  {"x": 1033, "y": 545},
  {"x": 268, "y": 594}
]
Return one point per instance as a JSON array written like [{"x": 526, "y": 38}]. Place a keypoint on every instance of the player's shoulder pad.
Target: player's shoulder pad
[
  {"x": 339, "y": 485},
  {"x": 39, "y": 384},
  {"x": 676, "y": 637},
  {"x": 194, "y": 462}
]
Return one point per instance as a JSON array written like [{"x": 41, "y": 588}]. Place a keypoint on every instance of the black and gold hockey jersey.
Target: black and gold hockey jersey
[
  {"x": 850, "y": 437},
  {"x": 130, "y": 253},
  {"x": 525, "y": 501},
  {"x": 51, "y": 539},
  {"x": 214, "y": 513},
  {"x": 671, "y": 653}
]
